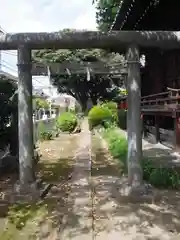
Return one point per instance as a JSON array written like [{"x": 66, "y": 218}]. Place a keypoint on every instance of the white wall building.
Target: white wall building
[{"x": 64, "y": 100}]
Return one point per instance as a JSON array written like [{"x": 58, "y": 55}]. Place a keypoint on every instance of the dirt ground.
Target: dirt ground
[
  {"x": 116, "y": 219},
  {"x": 42, "y": 220},
  {"x": 84, "y": 177}
]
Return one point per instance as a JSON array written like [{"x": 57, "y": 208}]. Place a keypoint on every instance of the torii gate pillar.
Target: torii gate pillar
[
  {"x": 134, "y": 128},
  {"x": 25, "y": 120}
]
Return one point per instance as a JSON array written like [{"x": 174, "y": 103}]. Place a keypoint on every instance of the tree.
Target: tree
[
  {"x": 7, "y": 104},
  {"x": 39, "y": 103},
  {"x": 106, "y": 11},
  {"x": 81, "y": 89},
  {"x": 9, "y": 114},
  {"x": 76, "y": 85}
]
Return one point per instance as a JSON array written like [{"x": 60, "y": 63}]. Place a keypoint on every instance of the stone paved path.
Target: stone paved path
[
  {"x": 78, "y": 221},
  {"x": 96, "y": 212}
]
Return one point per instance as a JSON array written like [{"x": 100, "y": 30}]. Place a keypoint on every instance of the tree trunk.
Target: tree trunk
[
  {"x": 25, "y": 121},
  {"x": 133, "y": 117}
]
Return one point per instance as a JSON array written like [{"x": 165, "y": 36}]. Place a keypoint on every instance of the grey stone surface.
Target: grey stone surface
[
  {"x": 78, "y": 220},
  {"x": 91, "y": 39}
]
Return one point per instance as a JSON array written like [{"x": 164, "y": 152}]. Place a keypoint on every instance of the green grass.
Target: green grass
[
  {"x": 117, "y": 145},
  {"x": 159, "y": 176},
  {"x": 23, "y": 220}
]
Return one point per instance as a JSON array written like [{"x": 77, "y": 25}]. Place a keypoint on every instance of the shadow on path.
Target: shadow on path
[
  {"x": 116, "y": 219},
  {"x": 78, "y": 221}
]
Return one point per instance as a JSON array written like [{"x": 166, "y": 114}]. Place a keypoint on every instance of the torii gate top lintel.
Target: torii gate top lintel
[{"x": 90, "y": 39}]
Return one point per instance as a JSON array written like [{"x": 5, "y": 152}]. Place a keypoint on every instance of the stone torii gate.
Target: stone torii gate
[{"x": 127, "y": 42}]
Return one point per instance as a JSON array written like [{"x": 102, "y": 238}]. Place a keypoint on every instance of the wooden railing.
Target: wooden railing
[
  {"x": 169, "y": 100},
  {"x": 164, "y": 101}
]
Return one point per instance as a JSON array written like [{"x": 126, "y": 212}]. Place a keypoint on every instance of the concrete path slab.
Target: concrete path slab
[{"x": 78, "y": 221}]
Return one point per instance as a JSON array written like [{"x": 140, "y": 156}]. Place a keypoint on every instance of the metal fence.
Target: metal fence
[{"x": 43, "y": 125}]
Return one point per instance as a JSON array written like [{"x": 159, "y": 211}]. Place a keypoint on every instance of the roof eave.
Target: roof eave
[
  {"x": 120, "y": 15},
  {"x": 9, "y": 76}
]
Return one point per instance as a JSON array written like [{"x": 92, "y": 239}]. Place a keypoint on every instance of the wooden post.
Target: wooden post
[
  {"x": 157, "y": 133},
  {"x": 25, "y": 120},
  {"x": 134, "y": 117}
]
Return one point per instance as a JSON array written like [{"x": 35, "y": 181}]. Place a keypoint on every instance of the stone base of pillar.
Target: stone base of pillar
[
  {"x": 26, "y": 193},
  {"x": 143, "y": 193}
]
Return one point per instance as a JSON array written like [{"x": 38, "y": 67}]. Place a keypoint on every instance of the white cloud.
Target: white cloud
[
  {"x": 46, "y": 15},
  {"x": 43, "y": 15}
]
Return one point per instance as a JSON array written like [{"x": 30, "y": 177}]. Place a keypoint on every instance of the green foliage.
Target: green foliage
[
  {"x": 8, "y": 109},
  {"x": 158, "y": 176},
  {"x": 117, "y": 146},
  {"x": 19, "y": 214},
  {"x": 46, "y": 135},
  {"x": 122, "y": 118},
  {"x": 99, "y": 115},
  {"x": 105, "y": 13},
  {"x": 67, "y": 122},
  {"x": 123, "y": 92},
  {"x": 45, "y": 130},
  {"x": 39, "y": 103},
  {"x": 8, "y": 101},
  {"x": 112, "y": 106},
  {"x": 61, "y": 55},
  {"x": 77, "y": 85}
]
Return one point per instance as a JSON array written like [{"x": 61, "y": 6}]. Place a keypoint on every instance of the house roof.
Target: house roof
[{"x": 8, "y": 76}]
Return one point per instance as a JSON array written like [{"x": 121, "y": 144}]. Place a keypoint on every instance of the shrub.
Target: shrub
[
  {"x": 46, "y": 135},
  {"x": 98, "y": 115},
  {"x": 112, "y": 106},
  {"x": 67, "y": 122},
  {"x": 158, "y": 176},
  {"x": 117, "y": 146},
  {"x": 161, "y": 176},
  {"x": 44, "y": 130}
]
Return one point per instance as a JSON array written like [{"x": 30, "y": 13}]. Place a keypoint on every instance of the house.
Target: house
[{"x": 64, "y": 101}]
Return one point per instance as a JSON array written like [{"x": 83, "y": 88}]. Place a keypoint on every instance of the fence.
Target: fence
[{"x": 45, "y": 125}]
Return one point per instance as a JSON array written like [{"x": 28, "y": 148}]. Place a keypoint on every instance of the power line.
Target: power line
[
  {"x": 12, "y": 69},
  {"x": 9, "y": 53},
  {"x": 2, "y": 30},
  {"x": 12, "y": 54},
  {"x": 9, "y": 68},
  {"x": 8, "y": 64}
]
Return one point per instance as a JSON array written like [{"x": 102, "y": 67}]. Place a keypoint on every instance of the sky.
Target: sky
[{"x": 40, "y": 16}]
